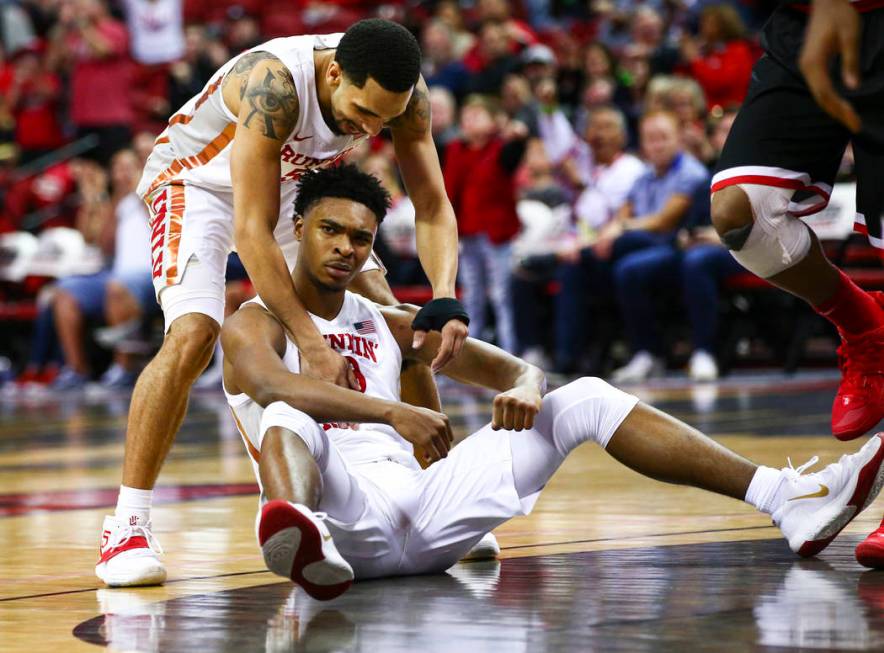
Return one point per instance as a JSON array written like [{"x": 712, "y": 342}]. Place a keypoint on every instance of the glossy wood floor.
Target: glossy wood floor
[{"x": 608, "y": 561}]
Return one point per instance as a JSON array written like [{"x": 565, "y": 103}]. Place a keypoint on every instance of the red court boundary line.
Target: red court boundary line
[{"x": 12, "y": 505}]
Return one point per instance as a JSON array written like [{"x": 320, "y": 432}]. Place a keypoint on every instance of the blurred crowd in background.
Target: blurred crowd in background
[{"x": 576, "y": 138}]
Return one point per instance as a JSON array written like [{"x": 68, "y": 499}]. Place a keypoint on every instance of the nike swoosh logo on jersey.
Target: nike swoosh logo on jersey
[{"x": 822, "y": 492}]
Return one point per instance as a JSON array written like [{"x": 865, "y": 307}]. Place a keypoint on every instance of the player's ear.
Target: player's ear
[
  {"x": 334, "y": 75},
  {"x": 299, "y": 228}
]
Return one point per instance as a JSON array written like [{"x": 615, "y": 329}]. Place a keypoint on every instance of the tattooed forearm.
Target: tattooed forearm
[{"x": 272, "y": 101}]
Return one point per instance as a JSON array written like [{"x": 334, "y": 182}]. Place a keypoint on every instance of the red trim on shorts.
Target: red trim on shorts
[{"x": 777, "y": 182}]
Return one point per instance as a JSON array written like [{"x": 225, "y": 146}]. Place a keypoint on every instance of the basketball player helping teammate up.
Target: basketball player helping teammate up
[
  {"x": 342, "y": 496},
  {"x": 224, "y": 174}
]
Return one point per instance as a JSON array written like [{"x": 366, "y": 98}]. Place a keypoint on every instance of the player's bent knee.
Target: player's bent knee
[
  {"x": 281, "y": 415},
  {"x": 731, "y": 210},
  {"x": 588, "y": 409},
  {"x": 191, "y": 341},
  {"x": 773, "y": 240}
]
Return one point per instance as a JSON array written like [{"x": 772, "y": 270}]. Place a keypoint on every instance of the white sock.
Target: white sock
[
  {"x": 134, "y": 503},
  {"x": 764, "y": 490}
]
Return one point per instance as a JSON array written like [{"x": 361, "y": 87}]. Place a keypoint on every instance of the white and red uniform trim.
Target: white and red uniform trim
[{"x": 779, "y": 178}]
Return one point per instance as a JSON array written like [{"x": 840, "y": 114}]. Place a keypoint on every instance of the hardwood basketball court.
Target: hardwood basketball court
[{"x": 608, "y": 561}]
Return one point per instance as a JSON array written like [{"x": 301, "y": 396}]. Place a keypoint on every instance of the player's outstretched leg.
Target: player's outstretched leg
[
  {"x": 810, "y": 509},
  {"x": 294, "y": 539},
  {"x": 755, "y": 224},
  {"x": 870, "y": 552}
]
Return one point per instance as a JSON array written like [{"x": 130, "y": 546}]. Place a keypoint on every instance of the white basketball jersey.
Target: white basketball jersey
[
  {"x": 361, "y": 335},
  {"x": 195, "y": 147}
]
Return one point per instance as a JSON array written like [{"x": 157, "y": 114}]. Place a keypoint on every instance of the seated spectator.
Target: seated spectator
[
  {"x": 479, "y": 171},
  {"x": 640, "y": 242},
  {"x": 462, "y": 40},
  {"x": 443, "y": 114},
  {"x": 655, "y": 207},
  {"x": 398, "y": 246},
  {"x": 120, "y": 295},
  {"x": 440, "y": 67},
  {"x": 721, "y": 59}
]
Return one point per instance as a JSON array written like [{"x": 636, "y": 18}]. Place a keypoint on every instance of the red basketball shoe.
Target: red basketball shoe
[
  {"x": 296, "y": 544},
  {"x": 870, "y": 552},
  {"x": 859, "y": 404}
]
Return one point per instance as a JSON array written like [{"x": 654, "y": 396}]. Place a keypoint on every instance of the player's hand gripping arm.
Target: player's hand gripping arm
[
  {"x": 833, "y": 29},
  {"x": 268, "y": 111},
  {"x": 254, "y": 343},
  {"x": 521, "y": 386},
  {"x": 435, "y": 224}
]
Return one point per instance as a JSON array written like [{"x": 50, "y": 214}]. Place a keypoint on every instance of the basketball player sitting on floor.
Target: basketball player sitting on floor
[{"x": 342, "y": 496}]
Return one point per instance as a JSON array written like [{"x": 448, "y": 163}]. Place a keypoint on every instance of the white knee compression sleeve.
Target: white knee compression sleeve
[
  {"x": 588, "y": 409},
  {"x": 305, "y": 427},
  {"x": 775, "y": 241}
]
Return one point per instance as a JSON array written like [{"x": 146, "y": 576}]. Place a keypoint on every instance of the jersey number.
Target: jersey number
[{"x": 360, "y": 377}]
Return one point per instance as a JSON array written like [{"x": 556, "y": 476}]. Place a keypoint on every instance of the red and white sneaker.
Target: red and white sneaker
[
  {"x": 870, "y": 552},
  {"x": 859, "y": 403},
  {"x": 296, "y": 544},
  {"x": 129, "y": 555},
  {"x": 821, "y": 504}
]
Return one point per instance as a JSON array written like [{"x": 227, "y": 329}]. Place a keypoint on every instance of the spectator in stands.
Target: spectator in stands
[
  {"x": 156, "y": 28},
  {"x": 683, "y": 97},
  {"x": 243, "y": 31},
  {"x": 118, "y": 296},
  {"x": 648, "y": 30},
  {"x": 704, "y": 265},
  {"x": 545, "y": 214},
  {"x": 443, "y": 112},
  {"x": 519, "y": 33},
  {"x": 16, "y": 28},
  {"x": 31, "y": 94},
  {"x": 93, "y": 48},
  {"x": 640, "y": 241},
  {"x": 493, "y": 59},
  {"x": 398, "y": 246},
  {"x": 462, "y": 40},
  {"x": 440, "y": 67},
  {"x": 189, "y": 75},
  {"x": 479, "y": 177},
  {"x": 720, "y": 59}
]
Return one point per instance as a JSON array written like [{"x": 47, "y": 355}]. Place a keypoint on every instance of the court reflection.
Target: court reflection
[{"x": 724, "y": 596}]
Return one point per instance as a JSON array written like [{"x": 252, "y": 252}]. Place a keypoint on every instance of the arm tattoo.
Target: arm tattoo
[
  {"x": 416, "y": 116},
  {"x": 274, "y": 101}
]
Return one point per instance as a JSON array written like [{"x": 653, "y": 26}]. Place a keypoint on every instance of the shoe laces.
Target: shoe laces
[
  {"x": 130, "y": 531},
  {"x": 795, "y": 472}
]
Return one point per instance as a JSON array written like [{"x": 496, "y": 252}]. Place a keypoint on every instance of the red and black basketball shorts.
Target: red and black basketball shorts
[{"x": 782, "y": 138}]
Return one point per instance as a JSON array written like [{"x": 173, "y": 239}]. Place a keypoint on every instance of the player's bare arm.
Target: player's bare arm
[
  {"x": 833, "y": 30},
  {"x": 520, "y": 385},
  {"x": 436, "y": 227},
  {"x": 260, "y": 91},
  {"x": 254, "y": 344}
]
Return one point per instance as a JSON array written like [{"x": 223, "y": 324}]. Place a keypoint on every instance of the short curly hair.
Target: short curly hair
[
  {"x": 346, "y": 181},
  {"x": 382, "y": 50}
]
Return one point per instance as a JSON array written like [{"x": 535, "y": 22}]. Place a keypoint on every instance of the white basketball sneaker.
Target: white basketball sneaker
[
  {"x": 129, "y": 555},
  {"x": 296, "y": 544},
  {"x": 485, "y": 549},
  {"x": 819, "y": 505}
]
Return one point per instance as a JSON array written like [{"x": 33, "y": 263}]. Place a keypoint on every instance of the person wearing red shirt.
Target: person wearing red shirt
[
  {"x": 721, "y": 60},
  {"x": 479, "y": 171},
  {"x": 95, "y": 49},
  {"x": 31, "y": 94}
]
